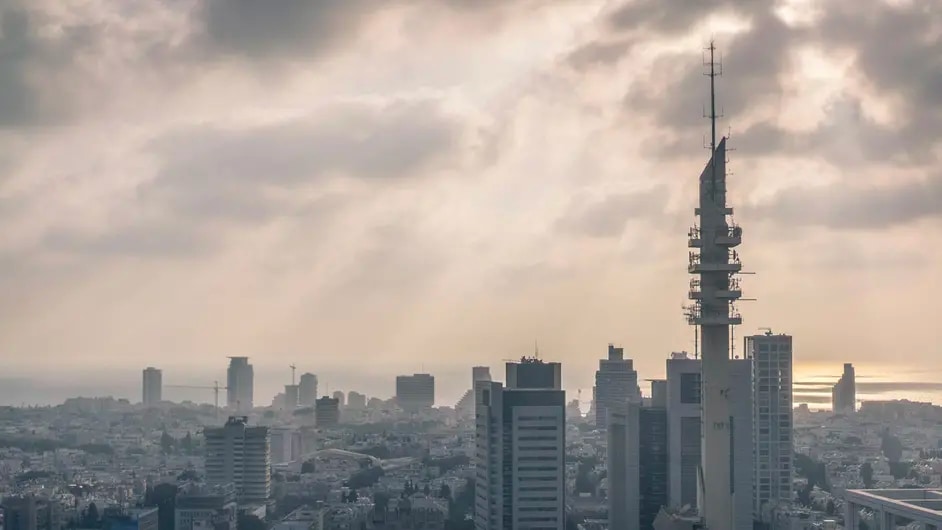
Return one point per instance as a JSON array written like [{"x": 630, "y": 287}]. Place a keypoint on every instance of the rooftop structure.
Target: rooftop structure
[{"x": 918, "y": 505}]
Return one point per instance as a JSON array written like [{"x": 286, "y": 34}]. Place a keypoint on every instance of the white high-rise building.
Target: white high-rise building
[
  {"x": 285, "y": 444},
  {"x": 240, "y": 455},
  {"x": 616, "y": 382},
  {"x": 521, "y": 446},
  {"x": 307, "y": 390},
  {"x": 240, "y": 384},
  {"x": 772, "y": 419},
  {"x": 684, "y": 422},
  {"x": 152, "y": 386}
]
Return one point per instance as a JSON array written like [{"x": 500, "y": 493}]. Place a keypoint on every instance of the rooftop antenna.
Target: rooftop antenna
[{"x": 716, "y": 69}]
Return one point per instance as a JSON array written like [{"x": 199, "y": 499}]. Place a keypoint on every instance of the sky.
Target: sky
[{"x": 372, "y": 188}]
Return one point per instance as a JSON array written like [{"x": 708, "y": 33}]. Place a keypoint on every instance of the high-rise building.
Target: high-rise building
[
  {"x": 684, "y": 422},
  {"x": 356, "y": 400},
  {"x": 531, "y": 372},
  {"x": 206, "y": 507},
  {"x": 415, "y": 392},
  {"x": 520, "y": 458},
  {"x": 30, "y": 512},
  {"x": 772, "y": 420},
  {"x": 291, "y": 397},
  {"x": 326, "y": 412},
  {"x": 240, "y": 455},
  {"x": 240, "y": 383},
  {"x": 307, "y": 390},
  {"x": 152, "y": 386},
  {"x": 341, "y": 399},
  {"x": 844, "y": 393},
  {"x": 465, "y": 405},
  {"x": 286, "y": 444},
  {"x": 713, "y": 291},
  {"x": 480, "y": 373},
  {"x": 616, "y": 382},
  {"x": 637, "y": 464}
]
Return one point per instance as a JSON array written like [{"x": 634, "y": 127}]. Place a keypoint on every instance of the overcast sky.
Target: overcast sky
[{"x": 367, "y": 188}]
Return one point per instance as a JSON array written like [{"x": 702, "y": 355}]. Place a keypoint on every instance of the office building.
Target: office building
[
  {"x": 356, "y": 400},
  {"x": 152, "y": 386},
  {"x": 465, "y": 405},
  {"x": 659, "y": 393},
  {"x": 291, "y": 397},
  {"x": 240, "y": 384},
  {"x": 341, "y": 399},
  {"x": 480, "y": 373},
  {"x": 201, "y": 507},
  {"x": 531, "y": 372},
  {"x": 616, "y": 382},
  {"x": 307, "y": 390},
  {"x": 240, "y": 455},
  {"x": 520, "y": 457},
  {"x": 844, "y": 393},
  {"x": 772, "y": 420},
  {"x": 685, "y": 440},
  {"x": 286, "y": 445},
  {"x": 327, "y": 412},
  {"x": 637, "y": 464},
  {"x": 415, "y": 392},
  {"x": 30, "y": 512}
]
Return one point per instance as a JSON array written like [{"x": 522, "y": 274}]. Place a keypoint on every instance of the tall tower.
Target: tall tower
[
  {"x": 240, "y": 383},
  {"x": 240, "y": 455},
  {"x": 714, "y": 289},
  {"x": 616, "y": 382},
  {"x": 152, "y": 386}
]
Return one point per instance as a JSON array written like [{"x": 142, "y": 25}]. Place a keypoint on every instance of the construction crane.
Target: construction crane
[
  {"x": 215, "y": 388},
  {"x": 293, "y": 368}
]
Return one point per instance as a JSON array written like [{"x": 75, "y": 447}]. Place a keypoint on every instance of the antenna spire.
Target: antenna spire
[{"x": 715, "y": 70}]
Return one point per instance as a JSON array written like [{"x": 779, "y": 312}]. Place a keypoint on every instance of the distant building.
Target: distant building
[
  {"x": 616, "y": 382},
  {"x": 240, "y": 455},
  {"x": 132, "y": 519},
  {"x": 637, "y": 464},
  {"x": 307, "y": 390},
  {"x": 291, "y": 397},
  {"x": 327, "y": 412},
  {"x": 286, "y": 445},
  {"x": 465, "y": 405},
  {"x": 338, "y": 395},
  {"x": 240, "y": 384},
  {"x": 521, "y": 441},
  {"x": 772, "y": 419},
  {"x": 206, "y": 508},
  {"x": 684, "y": 437},
  {"x": 356, "y": 400},
  {"x": 29, "y": 512},
  {"x": 415, "y": 392},
  {"x": 152, "y": 386},
  {"x": 844, "y": 393}
]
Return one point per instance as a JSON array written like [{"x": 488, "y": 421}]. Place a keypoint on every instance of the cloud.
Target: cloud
[
  {"x": 608, "y": 216},
  {"x": 246, "y": 172}
]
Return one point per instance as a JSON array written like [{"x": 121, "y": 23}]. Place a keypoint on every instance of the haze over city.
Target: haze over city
[{"x": 422, "y": 186}]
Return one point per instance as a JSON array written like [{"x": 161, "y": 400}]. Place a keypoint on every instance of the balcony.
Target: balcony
[
  {"x": 732, "y": 292},
  {"x": 693, "y": 238},
  {"x": 732, "y": 237},
  {"x": 731, "y": 266},
  {"x": 698, "y": 317}
]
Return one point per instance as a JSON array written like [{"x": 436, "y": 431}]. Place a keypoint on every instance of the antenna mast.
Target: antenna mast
[{"x": 716, "y": 69}]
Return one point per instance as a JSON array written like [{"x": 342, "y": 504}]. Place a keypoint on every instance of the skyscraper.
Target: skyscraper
[
  {"x": 465, "y": 405},
  {"x": 713, "y": 290},
  {"x": 637, "y": 465},
  {"x": 531, "y": 372},
  {"x": 684, "y": 422},
  {"x": 844, "y": 393},
  {"x": 415, "y": 392},
  {"x": 240, "y": 383},
  {"x": 340, "y": 397},
  {"x": 152, "y": 386},
  {"x": 772, "y": 419},
  {"x": 356, "y": 400},
  {"x": 616, "y": 382},
  {"x": 307, "y": 389},
  {"x": 291, "y": 397},
  {"x": 520, "y": 458},
  {"x": 240, "y": 455}
]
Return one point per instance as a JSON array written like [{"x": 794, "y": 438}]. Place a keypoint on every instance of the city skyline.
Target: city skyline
[{"x": 535, "y": 197}]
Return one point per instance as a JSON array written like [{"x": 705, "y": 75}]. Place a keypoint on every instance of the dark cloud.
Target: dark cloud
[
  {"x": 241, "y": 173},
  {"x": 608, "y": 217},
  {"x": 599, "y": 53},
  {"x": 153, "y": 239},
  {"x": 676, "y": 16},
  {"x": 845, "y": 206}
]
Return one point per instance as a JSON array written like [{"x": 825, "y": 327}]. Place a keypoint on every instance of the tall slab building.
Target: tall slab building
[
  {"x": 152, "y": 386},
  {"x": 520, "y": 455},
  {"x": 241, "y": 455},
  {"x": 240, "y": 384},
  {"x": 616, "y": 382},
  {"x": 307, "y": 389},
  {"x": 773, "y": 421},
  {"x": 637, "y": 465}
]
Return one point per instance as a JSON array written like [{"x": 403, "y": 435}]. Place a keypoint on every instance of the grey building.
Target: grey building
[
  {"x": 206, "y": 507},
  {"x": 520, "y": 456},
  {"x": 240, "y": 455},
  {"x": 327, "y": 412},
  {"x": 307, "y": 390},
  {"x": 637, "y": 465},
  {"x": 152, "y": 386},
  {"x": 30, "y": 512},
  {"x": 772, "y": 420},
  {"x": 240, "y": 384},
  {"x": 356, "y": 400},
  {"x": 616, "y": 382},
  {"x": 844, "y": 393},
  {"x": 415, "y": 392},
  {"x": 292, "y": 398}
]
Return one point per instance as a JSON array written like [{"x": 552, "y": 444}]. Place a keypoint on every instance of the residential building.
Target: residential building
[
  {"x": 285, "y": 444},
  {"x": 152, "y": 386},
  {"x": 206, "y": 507},
  {"x": 772, "y": 420},
  {"x": 240, "y": 455},
  {"x": 616, "y": 382},
  {"x": 30, "y": 512},
  {"x": 240, "y": 384},
  {"x": 415, "y": 392},
  {"x": 520, "y": 457}
]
